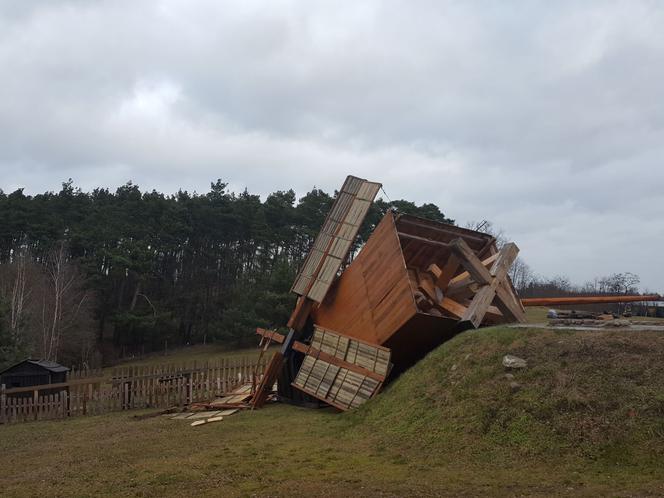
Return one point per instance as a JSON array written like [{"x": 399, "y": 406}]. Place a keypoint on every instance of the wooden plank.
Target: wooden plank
[
  {"x": 444, "y": 229},
  {"x": 484, "y": 297},
  {"x": 317, "y": 354},
  {"x": 444, "y": 276},
  {"x": 453, "y": 307},
  {"x": 508, "y": 304},
  {"x": 423, "y": 240},
  {"x": 464, "y": 279}
]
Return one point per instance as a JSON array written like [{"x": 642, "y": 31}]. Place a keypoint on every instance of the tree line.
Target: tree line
[{"x": 87, "y": 277}]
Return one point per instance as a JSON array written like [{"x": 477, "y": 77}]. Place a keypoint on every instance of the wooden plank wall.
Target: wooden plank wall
[
  {"x": 372, "y": 298},
  {"x": 152, "y": 386}
]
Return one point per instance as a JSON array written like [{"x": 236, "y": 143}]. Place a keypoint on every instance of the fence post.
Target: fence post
[
  {"x": 35, "y": 400},
  {"x": 65, "y": 403},
  {"x": 3, "y": 404}
]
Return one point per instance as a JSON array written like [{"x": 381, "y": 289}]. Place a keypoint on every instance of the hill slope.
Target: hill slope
[{"x": 592, "y": 396}]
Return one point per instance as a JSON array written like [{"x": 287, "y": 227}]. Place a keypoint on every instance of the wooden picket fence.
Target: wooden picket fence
[{"x": 126, "y": 388}]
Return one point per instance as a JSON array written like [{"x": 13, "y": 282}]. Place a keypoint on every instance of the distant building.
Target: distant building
[{"x": 33, "y": 373}]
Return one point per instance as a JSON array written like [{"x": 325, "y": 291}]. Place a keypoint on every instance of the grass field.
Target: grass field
[
  {"x": 190, "y": 354},
  {"x": 587, "y": 420}
]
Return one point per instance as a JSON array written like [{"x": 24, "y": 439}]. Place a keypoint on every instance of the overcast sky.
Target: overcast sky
[{"x": 546, "y": 118}]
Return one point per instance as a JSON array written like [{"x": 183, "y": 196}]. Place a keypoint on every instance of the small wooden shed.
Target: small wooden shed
[{"x": 33, "y": 373}]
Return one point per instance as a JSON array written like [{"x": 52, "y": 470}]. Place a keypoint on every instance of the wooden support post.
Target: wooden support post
[
  {"x": 3, "y": 405},
  {"x": 464, "y": 279},
  {"x": 448, "y": 271},
  {"x": 269, "y": 377},
  {"x": 493, "y": 284}
]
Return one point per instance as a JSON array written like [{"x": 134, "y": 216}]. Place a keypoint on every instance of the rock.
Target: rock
[
  {"x": 618, "y": 323},
  {"x": 511, "y": 361},
  {"x": 509, "y": 376},
  {"x": 515, "y": 386},
  {"x": 454, "y": 367}
]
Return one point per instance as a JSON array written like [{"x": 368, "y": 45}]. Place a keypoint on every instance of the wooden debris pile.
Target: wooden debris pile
[
  {"x": 214, "y": 411},
  {"x": 414, "y": 284}
]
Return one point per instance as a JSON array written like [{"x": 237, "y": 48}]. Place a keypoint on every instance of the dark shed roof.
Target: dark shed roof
[{"x": 48, "y": 365}]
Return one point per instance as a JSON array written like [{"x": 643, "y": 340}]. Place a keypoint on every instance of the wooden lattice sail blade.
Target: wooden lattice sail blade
[
  {"x": 335, "y": 238},
  {"x": 341, "y": 371}
]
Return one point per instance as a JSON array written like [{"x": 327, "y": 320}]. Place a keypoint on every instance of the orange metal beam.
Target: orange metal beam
[{"x": 553, "y": 301}]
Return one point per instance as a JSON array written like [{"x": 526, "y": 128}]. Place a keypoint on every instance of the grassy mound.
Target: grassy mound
[{"x": 593, "y": 396}]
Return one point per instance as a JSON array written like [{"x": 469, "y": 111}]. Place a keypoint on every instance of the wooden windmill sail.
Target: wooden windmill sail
[{"x": 322, "y": 264}]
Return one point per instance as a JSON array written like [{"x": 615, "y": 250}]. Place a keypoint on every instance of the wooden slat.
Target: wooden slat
[{"x": 317, "y": 354}]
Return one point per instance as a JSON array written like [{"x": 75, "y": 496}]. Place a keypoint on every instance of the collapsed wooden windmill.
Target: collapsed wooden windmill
[{"x": 414, "y": 284}]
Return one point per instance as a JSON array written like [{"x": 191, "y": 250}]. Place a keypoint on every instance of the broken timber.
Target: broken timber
[{"x": 415, "y": 284}]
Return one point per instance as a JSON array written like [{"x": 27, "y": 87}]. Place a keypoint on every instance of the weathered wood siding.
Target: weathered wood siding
[{"x": 373, "y": 298}]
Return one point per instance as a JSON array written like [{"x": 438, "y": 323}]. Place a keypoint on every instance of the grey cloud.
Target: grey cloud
[{"x": 545, "y": 117}]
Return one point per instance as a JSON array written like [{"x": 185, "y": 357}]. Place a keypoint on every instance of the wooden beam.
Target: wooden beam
[
  {"x": 554, "y": 301},
  {"x": 268, "y": 380},
  {"x": 464, "y": 279},
  {"x": 444, "y": 276},
  {"x": 427, "y": 287},
  {"x": 334, "y": 360},
  {"x": 315, "y": 353},
  {"x": 453, "y": 307},
  {"x": 450, "y": 231},
  {"x": 424, "y": 240},
  {"x": 426, "y": 284},
  {"x": 300, "y": 314},
  {"x": 272, "y": 335},
  {"x": 479, "y": 305},
  {"x": 470, "y": 262},
  {"x": 509, "y": 304},
  {"x": 490, "y": 280}
]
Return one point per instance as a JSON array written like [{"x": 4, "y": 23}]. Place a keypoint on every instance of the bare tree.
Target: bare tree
[
  {"x": 19, "y": 296},
  {"x": 486, "y": 226},
  {"x": 17, "y": 278},
  {"x": 521, "y": 274},
  {"x": 64, "y": 298}
]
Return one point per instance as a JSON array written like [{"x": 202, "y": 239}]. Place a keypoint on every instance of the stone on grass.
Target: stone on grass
[{"x": 511, "y": 361}]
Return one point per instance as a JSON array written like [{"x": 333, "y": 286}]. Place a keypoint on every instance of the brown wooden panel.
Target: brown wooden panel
[{"x": 372, "y": 298}]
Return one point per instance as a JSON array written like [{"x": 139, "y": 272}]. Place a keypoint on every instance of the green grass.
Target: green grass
[
  {"x": 199, "y": 353},
  {"x": 587, "y": 420},
  {"x": 536, "y": 314},
  {"x": 584, "y": 395}
]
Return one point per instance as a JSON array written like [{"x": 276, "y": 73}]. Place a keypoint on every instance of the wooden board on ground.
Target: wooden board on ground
[
  {"x": 181, "y": 416},
  {"x": 200, "y": 415}
]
